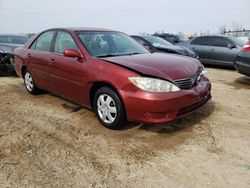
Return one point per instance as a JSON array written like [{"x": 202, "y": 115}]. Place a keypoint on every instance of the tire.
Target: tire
[
  {"x": 29, "y": 83},
  {"x": 109, "y": 108}
]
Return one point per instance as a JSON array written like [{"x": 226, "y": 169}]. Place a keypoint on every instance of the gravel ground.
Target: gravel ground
[{"x": 46, "y": 141}]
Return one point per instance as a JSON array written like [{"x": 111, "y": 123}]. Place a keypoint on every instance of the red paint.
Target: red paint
[{"x": 73, "y": 77}]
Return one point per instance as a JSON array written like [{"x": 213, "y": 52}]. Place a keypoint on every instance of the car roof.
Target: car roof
[
  {"x": 214, "y": 36},
  {"x": 81, "y": 29},
  {"x": 14, "y": 35},
  {"x": 165, "y": 34},
  {"x": 143, "y": 36}
]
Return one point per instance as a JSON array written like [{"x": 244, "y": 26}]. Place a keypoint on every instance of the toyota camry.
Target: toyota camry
[{"x": 111, "y": 73}]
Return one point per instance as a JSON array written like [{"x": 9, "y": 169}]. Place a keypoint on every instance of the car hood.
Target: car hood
[
  {"x": 9, "y": 47},
  {"x": 165, "y": 66},
  {"x": 175, "y": 49}
]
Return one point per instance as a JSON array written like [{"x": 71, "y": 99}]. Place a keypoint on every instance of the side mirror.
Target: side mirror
[
  {"x": 231, "y": 46},
  {"x": 72, "y": 53}
]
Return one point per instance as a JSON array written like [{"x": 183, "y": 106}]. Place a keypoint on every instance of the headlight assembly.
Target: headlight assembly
[
  {"x": 203, "y": 71},
  {"x": 153, "y": 84}
]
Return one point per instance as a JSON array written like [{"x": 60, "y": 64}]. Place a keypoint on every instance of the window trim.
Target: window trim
[{"x": 35, "y": 40}]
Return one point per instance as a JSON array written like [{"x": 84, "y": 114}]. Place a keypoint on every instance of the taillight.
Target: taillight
[{"x": 246, "y": 47}]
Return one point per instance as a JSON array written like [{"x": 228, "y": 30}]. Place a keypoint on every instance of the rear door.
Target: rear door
[
  {"x": 38, "y": 56},
  {"x": 66, "y": 74}
]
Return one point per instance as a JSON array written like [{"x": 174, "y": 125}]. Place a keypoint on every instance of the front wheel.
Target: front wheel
[{"x": 109, "y": 108}]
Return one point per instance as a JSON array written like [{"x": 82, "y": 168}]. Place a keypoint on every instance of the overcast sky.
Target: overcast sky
[{"x": 130, "y": 16}]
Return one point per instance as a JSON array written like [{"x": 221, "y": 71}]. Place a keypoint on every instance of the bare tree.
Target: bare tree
[
  {"x": 144, "y": 33},
  {"x": 236, "y": 26},
  {"x": 222, "y": 29}
]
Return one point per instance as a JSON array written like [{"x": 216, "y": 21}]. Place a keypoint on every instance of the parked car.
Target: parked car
[
  {"x": 7, "y": 45},
  {"x": 112, "y": 74},
  {"x": 157, "y": 44},
  {"x": 216, "y": 50},
  {"x": 172, "y": 38},
  {"x": 242, "y": 63}
]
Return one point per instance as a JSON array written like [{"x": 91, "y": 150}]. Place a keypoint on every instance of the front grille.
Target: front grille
[
  {"x": 193, "y": 106},
  {"x": 187, "y": 83}
]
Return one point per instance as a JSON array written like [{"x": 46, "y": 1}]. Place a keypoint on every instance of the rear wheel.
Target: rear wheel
[
  {"x": 29, "y": 83},
  {"x": 109, "y": 108}
]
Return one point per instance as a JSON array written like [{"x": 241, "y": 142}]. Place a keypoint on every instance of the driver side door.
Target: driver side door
[{"x": 66, "y": 74}]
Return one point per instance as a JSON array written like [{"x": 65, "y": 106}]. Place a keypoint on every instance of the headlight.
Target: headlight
[
  {"x": 153, "y": 85},
  {"x": 203, "y": 71}
]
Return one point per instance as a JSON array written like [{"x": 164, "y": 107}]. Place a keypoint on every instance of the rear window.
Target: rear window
[{"x": 237, "y": 41}]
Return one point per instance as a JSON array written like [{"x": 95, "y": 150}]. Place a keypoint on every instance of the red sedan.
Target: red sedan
[{"x": 112, "y": 74}]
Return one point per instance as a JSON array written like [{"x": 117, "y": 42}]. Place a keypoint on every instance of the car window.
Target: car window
[
  {"x": 205, "y": 41},
  {"x": 158, "y": 42},
  {"x": 171, "y": 39},
  {"x": 237, "y": 41},
  {"x": 109, "y": 43},
  {"x": 64, "y": 41},
  {"x": 43, "y": 42},
  {"x": 221, "y": 42}
]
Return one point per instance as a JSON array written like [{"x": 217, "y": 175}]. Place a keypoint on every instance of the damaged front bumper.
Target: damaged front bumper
[{"x": 6, "y": 65}]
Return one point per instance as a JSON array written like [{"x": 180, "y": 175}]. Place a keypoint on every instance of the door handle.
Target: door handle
[
  {"x": 212, "y": 49},
  {"x": 28, "y": 55},
  {"x": 52, "y": 61}
]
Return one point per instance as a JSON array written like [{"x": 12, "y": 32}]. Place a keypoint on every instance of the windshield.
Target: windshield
[
  {"x": 13, "y": 39},
  {"x": 238, "y": 41},
  {"x": 109, "y": 43},
  {"x": 157, "y": 42},
  {"x": 182, "y": 38}
]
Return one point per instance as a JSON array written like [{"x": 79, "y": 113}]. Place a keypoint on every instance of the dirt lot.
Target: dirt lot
[{"x": 44, "y": 143}]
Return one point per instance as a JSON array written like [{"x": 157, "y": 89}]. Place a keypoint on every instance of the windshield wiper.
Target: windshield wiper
[
  {"x": 113, "y": 55},
  {"x": 107, "y": 55}
]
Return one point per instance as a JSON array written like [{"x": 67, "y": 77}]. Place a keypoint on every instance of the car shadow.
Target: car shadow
[
  {"x": 243, "y": 81},
  {"x": 181, "y": 124},
  {"x": 219, "y": 67},
  {"x": 184, "y": 123},
  {"x": 240, "y": 83}
]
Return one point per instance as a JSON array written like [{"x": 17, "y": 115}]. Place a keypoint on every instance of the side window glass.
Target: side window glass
[
  {"x": 221, "y": 42},
  {"x": 205, "y": 41},
  {"x": 64, "y": 41},
  {"x": 43, "y": 42}
]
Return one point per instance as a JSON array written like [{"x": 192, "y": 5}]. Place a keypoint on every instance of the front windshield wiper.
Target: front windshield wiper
[
  {"x": 113, "y": 55},
  {"x": 107, "y": 55},
  {"x": 133, "y": 53}
]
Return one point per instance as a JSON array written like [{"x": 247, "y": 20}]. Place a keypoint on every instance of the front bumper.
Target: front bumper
[
  {"x": 146, "y": 107},
  {"x": 243, "y": 68},
  {"x": 6, "y": 64}
]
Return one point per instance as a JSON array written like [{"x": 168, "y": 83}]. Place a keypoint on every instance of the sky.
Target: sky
[{"x": 129, "y": 16}]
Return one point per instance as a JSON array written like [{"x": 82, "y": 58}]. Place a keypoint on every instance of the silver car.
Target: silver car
[{"x": 216, "y": 50}]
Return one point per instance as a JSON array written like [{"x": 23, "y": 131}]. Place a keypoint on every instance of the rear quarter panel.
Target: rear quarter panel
[{"x": 18, "y": 60}]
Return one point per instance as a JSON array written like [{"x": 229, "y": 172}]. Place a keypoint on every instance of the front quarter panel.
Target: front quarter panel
[{"x": 111, "y": 74}]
